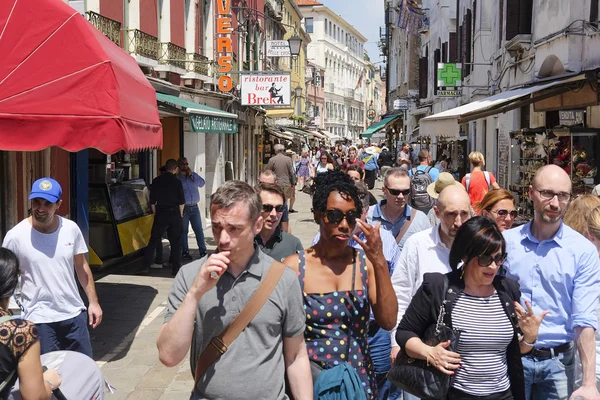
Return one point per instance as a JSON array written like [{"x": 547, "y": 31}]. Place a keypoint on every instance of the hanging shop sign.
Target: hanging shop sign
[
  {"x": 371, "y": 114},
  {"x": 449, "y": 80},
  {"x": 400, "y": 104},
  {"x": 278, "y": 48},
  {"x": 266, "y": 89},
  {"x": 571, "y": 117},
  {"x": 224, "y": 45},
  {"x": 210, "y": 124}
]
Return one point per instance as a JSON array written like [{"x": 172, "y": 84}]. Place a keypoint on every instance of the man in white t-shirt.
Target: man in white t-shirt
[{"x": 50, "y": 248}]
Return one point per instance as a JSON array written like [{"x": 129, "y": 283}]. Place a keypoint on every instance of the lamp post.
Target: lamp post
[{"x": 295, "y": 43}]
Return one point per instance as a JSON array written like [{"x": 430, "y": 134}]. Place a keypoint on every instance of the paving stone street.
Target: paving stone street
[{"x": 134, "y": 307}]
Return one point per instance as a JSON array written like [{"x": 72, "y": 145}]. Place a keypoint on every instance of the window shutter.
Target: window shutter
[
  {"x": 525, "y": 14},
  {"x": 468, "y": 44},
  {"x": 436, "y": 60},
  {"x": 452, "y": 48},
  {"x": 444, "y": 52},
  {"x": 512, "y": 19},
  {"x": 423, "y": 77}
]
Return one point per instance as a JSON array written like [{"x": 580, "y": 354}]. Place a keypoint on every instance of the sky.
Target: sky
[{"x": 366, "y": 16}]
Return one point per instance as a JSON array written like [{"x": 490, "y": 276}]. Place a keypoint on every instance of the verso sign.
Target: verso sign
[{"x": 224, "y": 44}]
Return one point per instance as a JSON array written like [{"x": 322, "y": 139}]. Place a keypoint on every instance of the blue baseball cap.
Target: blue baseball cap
[{"x": 47, "y": 189}]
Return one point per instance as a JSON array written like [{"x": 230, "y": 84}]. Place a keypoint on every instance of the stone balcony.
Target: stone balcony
[
  {"x": 143, "y": 44},
  {"x": 198, "y": 64},
  {"x": 108, "y": 27},
  {"x": 174, "y": 55}
]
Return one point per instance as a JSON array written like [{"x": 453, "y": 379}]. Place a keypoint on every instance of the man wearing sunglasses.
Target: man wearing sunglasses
[
  {"x": 271, "y": 239},
  {"x": 393, "y": 212},
  {"x": 429, "y": 250},
  {"x": 269, "y": 176},
  {"x": 558, "y": 270}
]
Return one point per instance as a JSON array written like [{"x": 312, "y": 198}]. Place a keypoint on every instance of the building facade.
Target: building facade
[
  {"x": 339, "y": 47},
  {"x": 529, "y": 87}
]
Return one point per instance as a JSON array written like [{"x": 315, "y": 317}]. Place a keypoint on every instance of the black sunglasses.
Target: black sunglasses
[
  {"x": 486, "y": 261},
  {"x": 269, "y": 207},
  {"x": 504, "y": 213},
  {"x": 336, "y": 216},
  {"x": 396, "y": 192}
]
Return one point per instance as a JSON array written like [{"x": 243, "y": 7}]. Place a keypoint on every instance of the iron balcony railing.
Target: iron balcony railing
[
  {"x": 143, "y": 44},
  {"x": 331, "y": 87},
  {"x": 199, "y": 64},
  {"x": 108, "y": 27},
  {"x": 349, "y": 93},
  {"x": 173, "y": 55}
]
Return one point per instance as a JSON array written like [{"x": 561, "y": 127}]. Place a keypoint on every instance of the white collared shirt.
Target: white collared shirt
[{"x": 423, "y": 252}]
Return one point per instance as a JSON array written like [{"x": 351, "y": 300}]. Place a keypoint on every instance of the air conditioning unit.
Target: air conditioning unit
[
  {"x": 211, "y": 87},
  {"x": 517, "y": 44}
]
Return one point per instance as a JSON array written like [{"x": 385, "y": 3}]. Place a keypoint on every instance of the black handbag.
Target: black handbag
[{"x": 415, "y": 376}]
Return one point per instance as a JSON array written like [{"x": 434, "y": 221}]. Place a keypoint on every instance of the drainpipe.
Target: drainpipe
[{"x": 125, "y": 25}]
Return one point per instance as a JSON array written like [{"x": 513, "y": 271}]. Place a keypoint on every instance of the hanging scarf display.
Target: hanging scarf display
[{"x": 411, "y": 17}]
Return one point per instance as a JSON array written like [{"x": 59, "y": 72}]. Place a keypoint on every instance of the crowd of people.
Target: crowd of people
[{"x": 335, "y": 320}]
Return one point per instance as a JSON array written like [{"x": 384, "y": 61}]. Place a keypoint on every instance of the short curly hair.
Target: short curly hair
[{"x": 334, "y": 181}]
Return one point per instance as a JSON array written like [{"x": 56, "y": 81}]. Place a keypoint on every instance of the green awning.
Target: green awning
[
  {"x": 376, "y": 127},
  {"x": 203, "y": 119}
]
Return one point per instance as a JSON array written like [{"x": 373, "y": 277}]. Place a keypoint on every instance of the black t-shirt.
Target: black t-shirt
[
  {"x": 167, "y": 191},
  {"x": 385, "y": 159}
]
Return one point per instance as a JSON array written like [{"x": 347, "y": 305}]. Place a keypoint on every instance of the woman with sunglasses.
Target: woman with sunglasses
[
  {"x": 494, "y": 329},
  {"x": 499, "y": 206},
  {"x": 325, "y": 163},
  {"x": 341, "y": 284}
]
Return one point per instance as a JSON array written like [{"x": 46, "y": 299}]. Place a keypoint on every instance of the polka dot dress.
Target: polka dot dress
[{"x": 337, "y": 326}]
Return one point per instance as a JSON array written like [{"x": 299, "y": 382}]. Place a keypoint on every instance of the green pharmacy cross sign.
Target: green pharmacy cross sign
[{"x": 449, "y": 80}]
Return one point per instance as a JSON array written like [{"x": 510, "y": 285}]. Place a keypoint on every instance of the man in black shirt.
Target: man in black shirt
[{"x": 167, "y": 201}]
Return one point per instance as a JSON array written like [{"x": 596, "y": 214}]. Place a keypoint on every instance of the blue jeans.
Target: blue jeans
[
  {"x": 70, "y": 334},
  {"x": 551, "y": 378},
  {"x": 380, "y": 348},
  {"x": 191, "y": 214}
]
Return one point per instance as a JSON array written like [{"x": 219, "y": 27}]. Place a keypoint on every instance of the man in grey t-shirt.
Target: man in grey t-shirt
[{"x": 200, "y": 307}]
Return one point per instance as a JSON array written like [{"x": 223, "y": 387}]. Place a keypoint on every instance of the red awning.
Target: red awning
[{"x": 63, "y": 83}]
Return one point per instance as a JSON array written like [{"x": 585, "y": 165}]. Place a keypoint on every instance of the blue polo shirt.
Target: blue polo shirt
[
  {"x": 561, "y": 274},
  {"x": 420, "y": 222}
]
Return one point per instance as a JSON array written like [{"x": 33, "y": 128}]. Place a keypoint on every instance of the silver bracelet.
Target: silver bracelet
[
  {"x": 51, "y": 385},
  {"x": 527, "y": 343}
]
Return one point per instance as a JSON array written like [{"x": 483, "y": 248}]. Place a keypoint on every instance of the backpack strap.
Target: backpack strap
[
  {"x": 468, "y": 180},
  {"x": 414, "y": 171},
  {"x": 487, "y": 178},
  {"x": 428, "y": 169},
  {"x": 219, "y": 344},
  {"x": 404, "y": 228}
]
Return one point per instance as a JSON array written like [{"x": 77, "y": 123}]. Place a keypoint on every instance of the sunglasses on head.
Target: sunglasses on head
[
  {"x": 486, "y": 260},
  {"x": 269, "y": 207},
  {"x": 336, "y": 216},
  {"x": 396, "y": 192},
  {"x": 504, "y": 213}
]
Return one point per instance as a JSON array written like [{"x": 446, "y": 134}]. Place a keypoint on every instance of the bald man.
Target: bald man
[
  {"x": 429, "y": 250},
  {"x": 558, "y": 270}
]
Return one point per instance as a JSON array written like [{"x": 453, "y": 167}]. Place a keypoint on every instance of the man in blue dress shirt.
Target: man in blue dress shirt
[
  {"x": 191, "y": 181},
  {"x": 558, "y": 270}
]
